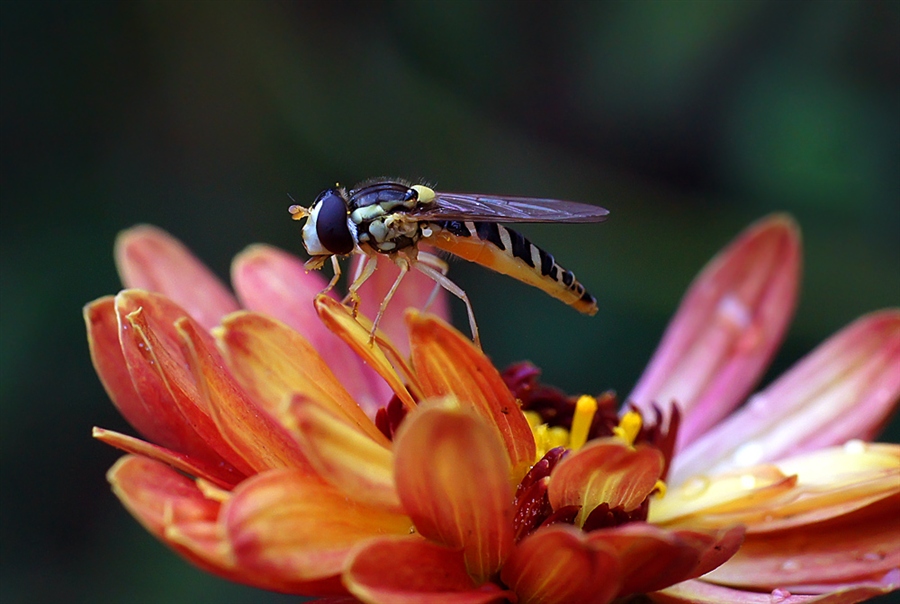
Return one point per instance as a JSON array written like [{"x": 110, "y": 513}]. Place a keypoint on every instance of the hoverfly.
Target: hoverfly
[{"x": 392, "y": 217}]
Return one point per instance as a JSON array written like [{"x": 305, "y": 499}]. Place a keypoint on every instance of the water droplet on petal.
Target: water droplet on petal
[
  {"x": 748, "y": 454},
  {"x": 790, "y": 565},
  {"x": 695, "y": 486},
  {"x": 873, "y": 556},
  {"x": 780, "y": 595},
  {"x": 854, "y": 447},
  {"x": 748, "y": 481}
]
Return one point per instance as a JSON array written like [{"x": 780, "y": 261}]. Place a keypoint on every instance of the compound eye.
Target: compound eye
[{"x": 331, "y": 223}]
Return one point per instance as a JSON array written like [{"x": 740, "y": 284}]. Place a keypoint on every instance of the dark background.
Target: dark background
[{"x": 687, "y": 119}]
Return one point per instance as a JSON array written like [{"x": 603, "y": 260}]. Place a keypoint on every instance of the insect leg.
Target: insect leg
[
  {"x": 444, "y": 281},
  {"x": 403, "y": 263},
  {"x": 337, "y": 274},
  {"x": 438, "y": 264},
  {"x": 364, "y": 271}
]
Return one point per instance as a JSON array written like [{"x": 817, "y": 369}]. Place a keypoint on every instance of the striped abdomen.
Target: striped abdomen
[{"x": 505, "y": 251}]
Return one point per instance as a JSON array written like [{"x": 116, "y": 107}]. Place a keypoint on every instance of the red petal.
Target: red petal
[
  {"x": 256, "y": 436},
  {"x": 277, "y": 284},
  {"x": 605, "y": 471},
  {"x": 222, "y": 475},
  {"x": 447, "y": 363},
  {"x": 408, "y": 570},
  {"x": 453, "y": 478},
  {"x": 158, "y": 370},
  {"x": 272, "y": 362},
  {"x": 286, "y": 524},
  {"x": 554, "y": 565},
  {"x": 149, "y": 258},
  {"x": 727, "y": 327}
]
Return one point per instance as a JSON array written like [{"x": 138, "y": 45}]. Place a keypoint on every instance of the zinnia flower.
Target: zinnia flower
[{"x": 264, "y": 466}]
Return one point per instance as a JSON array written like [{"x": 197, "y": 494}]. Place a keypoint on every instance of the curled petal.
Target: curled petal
[
  {"x": 449, "y": 364},
  {"x": 726, "y": 329},
  {"x": 556, "y": 566},
  {"x": 158, "y": 368},
  {"x": 408, "y": 570},
  {"x": 339, "y": 320},
  {"x": 859, "y": 547},
  {"x": 414, "y": 291},
  {"x": 349, "y": 460},
  {"x": 453, "y": 478},
  {"x": 221, "y": 474},
  {"x": 272, "y": 362},
  {"x": 149, "y": 258},
  {"x": 605, "y": 471},
  {"x": 285, "y": 523},
  {"x": 844, "y": 389},
  {"x": 277, "y": 284}
]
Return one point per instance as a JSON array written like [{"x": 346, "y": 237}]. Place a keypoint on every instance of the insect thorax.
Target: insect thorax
[{"x": 380, "y": 211}]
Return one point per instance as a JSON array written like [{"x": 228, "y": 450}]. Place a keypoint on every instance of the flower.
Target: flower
[
  {"x": 260, "y": 466},
  {"x": 285, "y": 482}
]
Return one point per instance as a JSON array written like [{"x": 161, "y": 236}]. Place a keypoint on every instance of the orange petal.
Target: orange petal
[
  {"x": 252, "y": 433},
  {"x": 860, "y": 547},
  {"x": 353, "y": 462},
  {"x": 700, "y": 592},
  {"x": 220, "y": 474},
  {"x": 286, "y": 524},
  {"x": 554, "y": 565},
  {"x": 605, "y": 471},
  {"x": 844, "y": 389},
  {"x": 149, "y": 258},
  {"x": 277, "y": 284},
  {"x": 157, "y": 366},
  {"x": 272, "y": 361},
  {"x": 339, "y": 320},
  {"x": 414, "y": 291},
  {"x": 408, "y": 570},
  {"x": 447, "y": 363},
  {"x": 453, "y": 478},
  {"x": 727, "y": 327}
]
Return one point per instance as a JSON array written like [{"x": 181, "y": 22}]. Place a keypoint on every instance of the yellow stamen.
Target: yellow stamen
[
  {"x": 629, "y": 427},
  {"x": 585, "y": 409},
  {"x": 660, "y": 488}
]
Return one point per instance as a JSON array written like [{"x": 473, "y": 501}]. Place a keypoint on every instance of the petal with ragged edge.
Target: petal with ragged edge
[
  {"x": 605, "y": 471},
  {"x": 284, "y": 523},
  {"x": 726, "y": 329},
  {"x": 349, "y": 460},
  {"x": 452, "y": 475},
  {"x": 414, "y": 291},
  {"x": 149, "y": 258},
  {"x": 409, "y": 570},
  {"x": 261, "y": 441},
  {"x": 272, "y": 362},
  {"x": 355, "y": 332},
  {"x": 449, "y": 364},
  {"x": 277, "y": 284},
  {"x": 700, "y": 592},
  {"x": 555, "y": 566},
  {"x": 844, "y": 389},
  {"x": 159, "y": 372},
  {"x": 221, "y": 474},
  {"x": 861, "y": 547}
]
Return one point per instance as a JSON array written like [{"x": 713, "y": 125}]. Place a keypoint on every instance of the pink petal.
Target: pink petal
[
  {"x": 409, "y": 570},
  {"x": 453, "y": 477},
  {"x": 699, "y": 592},
  {"x": 414, "y": 291},
  {"x": 727, "y": 328},
  {"x": 845, "y": 389},
  {"x": 276, "y": 283},
  {"x": 555, "y": 566},
  {"x": 149, "y": 258},
  {"x": 605, "y": 471}
]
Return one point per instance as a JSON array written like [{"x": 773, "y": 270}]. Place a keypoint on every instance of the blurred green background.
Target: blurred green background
[{"x": 687, "y": 119}]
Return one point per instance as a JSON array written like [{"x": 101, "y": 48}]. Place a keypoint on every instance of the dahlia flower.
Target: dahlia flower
[{"x": 281, "y": 450}]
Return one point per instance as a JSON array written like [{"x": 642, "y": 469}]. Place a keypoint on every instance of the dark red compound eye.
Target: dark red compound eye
[{"x": 331, "y": 223}]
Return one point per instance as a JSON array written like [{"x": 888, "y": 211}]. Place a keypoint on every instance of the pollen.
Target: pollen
[{"x": 629, "y": 427}]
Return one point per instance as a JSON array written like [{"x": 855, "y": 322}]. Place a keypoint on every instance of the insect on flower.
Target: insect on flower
[{"x": 392, "y": 217}]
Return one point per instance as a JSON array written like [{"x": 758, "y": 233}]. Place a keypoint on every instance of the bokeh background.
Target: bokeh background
[{"x": 687, "y": 119}]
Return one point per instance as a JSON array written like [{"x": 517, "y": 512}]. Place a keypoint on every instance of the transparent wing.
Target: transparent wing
[{"x": 477, "y": 207}]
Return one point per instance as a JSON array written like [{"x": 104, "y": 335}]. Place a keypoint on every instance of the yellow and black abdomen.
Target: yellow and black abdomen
[{"x": 505, "y": 251}]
